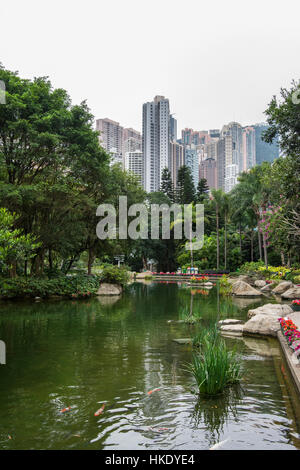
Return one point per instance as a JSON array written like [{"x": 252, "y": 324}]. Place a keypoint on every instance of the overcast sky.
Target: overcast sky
[{"x": 216, "y": 61}]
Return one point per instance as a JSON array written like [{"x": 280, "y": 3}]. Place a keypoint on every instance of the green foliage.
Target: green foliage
[
  {"x": 67, "y": 286},
  {"x": 185, "y": 191},
  {"x": 225, "y": 285},
  {"x": 14, "y": 245},
  {"x": 114, "y": 275},
  {"x": 251, "y": 267},
  {"x": 214, "y": 367}
]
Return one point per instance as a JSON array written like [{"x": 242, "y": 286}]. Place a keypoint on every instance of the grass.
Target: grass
[{"x": 214, "y": 367}]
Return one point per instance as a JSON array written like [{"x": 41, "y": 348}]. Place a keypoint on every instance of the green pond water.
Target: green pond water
[{"x": 84, "y": 354}]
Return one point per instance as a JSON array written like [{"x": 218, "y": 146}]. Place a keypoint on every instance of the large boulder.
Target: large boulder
[
  {"x": 260, "y": 283},
  {"x": 242, "y": 289},
  {"x": 261, "y": 324},
  {"x": 292, "y": 293},
  {"x": 109, "y": 289},
  {"x": 277, "y": 310},
  {"x": 282, "y": 287}
]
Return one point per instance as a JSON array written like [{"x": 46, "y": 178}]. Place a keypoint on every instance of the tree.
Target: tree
[
  {"x": 14, "y": 245},
  {"x": 283, "y": 118},
  {"x": 185, "y": 191},
  {"x": 217, "y": 200},
  {"x": 202, "y": 190},
  {"x": 167, "y": 186}
]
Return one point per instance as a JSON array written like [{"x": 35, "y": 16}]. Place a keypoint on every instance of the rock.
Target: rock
[
  {"x": 277, "y": 310},
  {"x": 232, "y": 330},
  {"x": 282, "y": 287},
  {"x": 109, "y": 289},
  {"x": 208, "y": 284},
  {"x": 260, "y": 283},
  {"x": 230, "y": 321},
  {"x": 267, "y": 288},
  {"x": 243, "y": 289},
  {"x": 261, "y": 324},
  {"x": 183, "y": 340},
  {"x": 292, "y": 293},
  {"x": 245, "y": 278}
]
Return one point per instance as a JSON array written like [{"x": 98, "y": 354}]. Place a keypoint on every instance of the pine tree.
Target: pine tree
[
  {"x": 166, "y": 186},
  {"x": 202, "y": 190},
  {"x": 185, "y": 192}
]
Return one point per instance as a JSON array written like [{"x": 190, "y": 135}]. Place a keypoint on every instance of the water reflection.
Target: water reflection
[{"x": 86, "y": 353}]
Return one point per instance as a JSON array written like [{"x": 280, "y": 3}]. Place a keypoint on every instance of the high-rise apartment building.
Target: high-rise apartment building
[
  {"x": 233, "y": 134},
  {"x": 249, "y": 150},
  {"x": 173, "y": 129},
  {"x": 134, "y": 163},
  {"x": 208, "y": 170},
  {"x": 176, "y": 160},
  {"x": 192, "y": 162},
  {"x": 111, "y": 135},
  {"x": 156, "y": 141}
]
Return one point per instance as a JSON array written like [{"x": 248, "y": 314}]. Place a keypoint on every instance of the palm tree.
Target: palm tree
[{"x": 217, "y": 200}]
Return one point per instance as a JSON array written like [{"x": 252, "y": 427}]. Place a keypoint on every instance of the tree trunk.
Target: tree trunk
[
  {"x": 282, "y": 258},
  {"x": 240, "y": 231},
  {"x": 91, "y": 260},
  {"x": 265, "y": 250},
  {"x": 225, "y": 245},
  {"x": 13, "y": 269},
  {"x": 252, "y": 259},
  {"x": 50, "y": 259},
  {"x": 259, "y": 244},
  {"x": 218, "y": 241}
]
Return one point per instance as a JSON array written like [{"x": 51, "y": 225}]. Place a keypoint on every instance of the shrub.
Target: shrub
[
  {"x": 114, "y": 275},
  {"x": 225, "y": 286},
  {"x": 251, "y": 267},
  {"x": 214, "y": 367},
  {"x": 67, "y": 286}
]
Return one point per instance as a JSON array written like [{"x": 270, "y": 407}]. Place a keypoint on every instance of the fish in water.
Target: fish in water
[
  {"x": 154, "y": 390},
  {"x": 100, "y": 411},
  {"x": 218, "y": 445},
  {"x": 65, "y": 409}
]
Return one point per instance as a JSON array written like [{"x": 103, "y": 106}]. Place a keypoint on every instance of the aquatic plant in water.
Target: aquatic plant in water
[{"x": 214, "y": 367}]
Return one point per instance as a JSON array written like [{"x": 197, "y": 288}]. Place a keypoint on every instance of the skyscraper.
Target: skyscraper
[
  {"x": 192, "y": 162},
  {"x": 176, "y": 160},
  {"x": 135, "y": 164},
  {"x": 233, "y": 153},
  {"x": 156, "y": 141},
  {"x": 249, "y": 152},
  {"x": 264, "y": 152},
  {"x": 208, "y": 170},
  {"x": 111, "y": 135}
]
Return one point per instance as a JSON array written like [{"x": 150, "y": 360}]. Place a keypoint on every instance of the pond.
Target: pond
[{"x": 84, "y": 354}]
